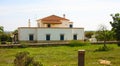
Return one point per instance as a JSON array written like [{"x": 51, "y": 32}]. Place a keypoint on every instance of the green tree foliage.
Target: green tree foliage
[
  {"x": 15, "y": 31},
  {"x": 1, "y": 32},
  {"x": 104, "y": 35},
  {"x": 5, "y": 38},
  {"x": 23, "y": 59},
  {"x": 1, "y": 29},
  {"x": 110, "y": 35},
  {"x": 116, "y": 26},
  {"x": 88, "y": 34}
]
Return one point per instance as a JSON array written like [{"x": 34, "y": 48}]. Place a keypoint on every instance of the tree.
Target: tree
[
  {"x": 102, "y": 34},
  {"x": 116, "y": 26},
  {"x": 15, "y": 31},
  {"x": 109, "y": 34},
  {"x": 88, "y": 34},
  {"x": 2, "y": 35},
  {"x": 1, "y": 29}
]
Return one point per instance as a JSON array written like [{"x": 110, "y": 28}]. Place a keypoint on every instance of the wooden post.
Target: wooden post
[{"x": 81, "y": 57}]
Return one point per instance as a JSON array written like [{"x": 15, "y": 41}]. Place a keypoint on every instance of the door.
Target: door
[
  {"x": 75, "y": 37},
  {"x": 48, "y": 37},
  {"x": 31, "y": 37},
  {"x": 62, "y": 37}
]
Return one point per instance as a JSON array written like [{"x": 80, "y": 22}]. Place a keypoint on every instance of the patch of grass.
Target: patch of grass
[
  {"x": 62, "y": 55},
  {"x": 75, "y": 43},
  {"x": 104, "y": 48}
]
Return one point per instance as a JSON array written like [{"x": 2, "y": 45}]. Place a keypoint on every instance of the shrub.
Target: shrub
[
  {"x": 78, "y": 43},
  {"x": 23, "y": 59},
  {"x": 5, "y": 38},
  {"x": 3, "y": 42}
]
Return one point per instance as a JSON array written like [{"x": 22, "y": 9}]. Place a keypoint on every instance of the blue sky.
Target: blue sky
[{"x": 84, "y": 13}]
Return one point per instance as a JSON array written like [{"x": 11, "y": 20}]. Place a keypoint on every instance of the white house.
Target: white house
[{"x": 51, "y": 28}]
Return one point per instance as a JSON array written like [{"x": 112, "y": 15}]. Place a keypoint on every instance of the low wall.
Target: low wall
[
  {"x": 34, "y": 44},
  {"x": 107, "y": 42}
]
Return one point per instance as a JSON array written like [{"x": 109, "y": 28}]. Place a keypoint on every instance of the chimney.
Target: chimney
[
  {"x": 63, "y": 15},
  {"x": 29, "y": 25}
]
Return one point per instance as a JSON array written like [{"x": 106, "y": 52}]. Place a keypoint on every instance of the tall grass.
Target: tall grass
[{"x": 62, "y": 55}]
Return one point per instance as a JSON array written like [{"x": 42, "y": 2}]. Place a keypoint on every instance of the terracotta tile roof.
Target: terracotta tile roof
[{"x": 53, "y": 19}]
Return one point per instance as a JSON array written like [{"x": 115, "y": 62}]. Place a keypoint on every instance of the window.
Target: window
[
  {"x": 31, "y": 37},
  {"x": 75, "y": 37},
  {"x": 48, "y": 25},
  {"x": 48, "y": 37},
  {"x": 62, "y": 37},
  {"x": 70, "y": 25}
]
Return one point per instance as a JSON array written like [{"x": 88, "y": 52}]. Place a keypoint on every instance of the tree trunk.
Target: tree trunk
[{"x": 105, "y": 44}]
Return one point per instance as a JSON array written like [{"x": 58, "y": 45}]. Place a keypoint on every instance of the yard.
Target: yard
[{"x": 62, "y": 55}]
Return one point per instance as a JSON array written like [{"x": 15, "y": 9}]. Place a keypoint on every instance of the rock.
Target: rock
[{"x": 104, "y": 62}]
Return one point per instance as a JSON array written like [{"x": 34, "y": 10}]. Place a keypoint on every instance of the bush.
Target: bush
[
  {"x": 3, "y": 42},
  {"x": 23, "y": 59},
  {"x": 78, "y": 43}
]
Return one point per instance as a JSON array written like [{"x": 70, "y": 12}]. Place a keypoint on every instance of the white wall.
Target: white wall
[
  {"x": 54, "y": 33},
  {"x": 64, "y": 23},
  {"x": 40, "y": 33},
  {"x": 25, "y": 32}
]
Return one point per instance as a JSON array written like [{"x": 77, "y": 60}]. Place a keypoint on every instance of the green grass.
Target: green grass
[{"x": 62, "y": 55}]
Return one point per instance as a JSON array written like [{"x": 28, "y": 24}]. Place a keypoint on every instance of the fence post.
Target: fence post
[{"x": 81, "y": 56}]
